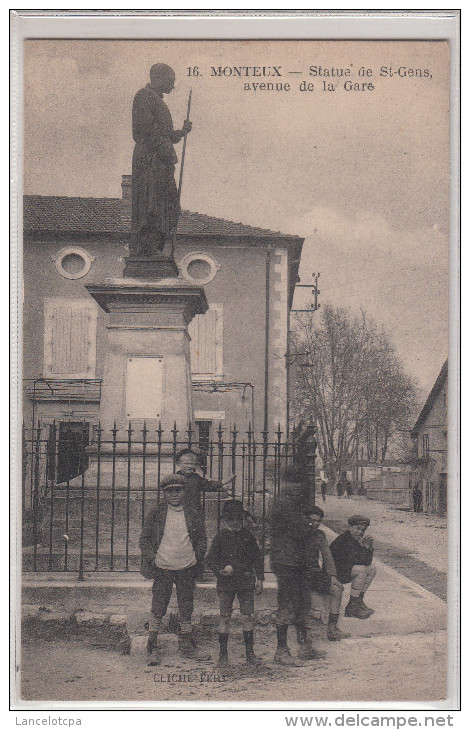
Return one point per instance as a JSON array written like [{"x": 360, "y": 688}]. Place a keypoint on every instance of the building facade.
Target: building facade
[
  {"x": 430, "y": 436},
  {"x": 238, "y": 348}
]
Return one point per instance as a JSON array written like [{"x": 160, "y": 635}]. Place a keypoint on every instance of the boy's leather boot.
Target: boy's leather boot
[
  {"x": 334, "y": 633},
  {"x": 223, "y": 651},
  {"x": 251, "y": 657},
  {"x": 361, "y": 598},
  {"x": 283, "y": 655},
  {"x": 355, "y": 609},
  {"x": 153, "y": 654},
  {"x": 189, "y": 649},
  {"x": 306, "y": 650}
]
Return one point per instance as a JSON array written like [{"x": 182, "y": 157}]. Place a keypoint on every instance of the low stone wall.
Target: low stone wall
[{"x": 103, "y": 631}]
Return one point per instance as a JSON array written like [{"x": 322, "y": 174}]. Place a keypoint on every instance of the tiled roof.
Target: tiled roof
[{"x": 110, "y": 215}]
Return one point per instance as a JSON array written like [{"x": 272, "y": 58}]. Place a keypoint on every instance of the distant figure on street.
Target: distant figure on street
[
  {"x": 349, "y": 489},
  {"x": 342, "y": 486},
  {"x": 353, "y": 553},
  {"x": 324, "y": 489},
  {"x": 417, "y": 499}
]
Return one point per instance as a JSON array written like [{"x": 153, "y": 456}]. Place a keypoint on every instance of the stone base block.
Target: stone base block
[{"x": 150, "y": 267}]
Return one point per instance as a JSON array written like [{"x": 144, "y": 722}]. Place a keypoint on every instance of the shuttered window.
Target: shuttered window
[
  {"x": 69, "y": 338},
  {"x": 206, "y": 332}
]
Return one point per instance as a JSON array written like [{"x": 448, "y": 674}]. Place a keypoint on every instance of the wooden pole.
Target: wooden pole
[{"x": 180, "y": 182}]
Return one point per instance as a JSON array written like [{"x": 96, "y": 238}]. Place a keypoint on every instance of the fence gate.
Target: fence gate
[{"x": 86, "y": 492}]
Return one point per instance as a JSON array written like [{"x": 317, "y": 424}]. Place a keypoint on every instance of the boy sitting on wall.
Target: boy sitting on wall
[{"x": 353, "y": 553}]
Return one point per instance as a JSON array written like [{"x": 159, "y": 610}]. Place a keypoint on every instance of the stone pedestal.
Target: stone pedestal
[
  {"x": 147, "y": 373},
  {"x": 147, "y": 378},
  {"x": 148, "y": 268}
]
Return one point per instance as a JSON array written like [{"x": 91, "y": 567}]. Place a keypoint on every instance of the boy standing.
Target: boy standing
[
  {"x": 236, "y": 561},
  {"x": 352, "y": 553},
  {"x": 173, "y": 542},
  {"x": 289, "y": 532}
]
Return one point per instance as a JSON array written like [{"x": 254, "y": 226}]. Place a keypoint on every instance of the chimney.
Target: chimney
[{"x": 126, "y": 186}]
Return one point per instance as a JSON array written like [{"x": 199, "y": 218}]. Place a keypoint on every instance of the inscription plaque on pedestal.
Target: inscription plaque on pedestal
[{"x": 144, "y": 387}]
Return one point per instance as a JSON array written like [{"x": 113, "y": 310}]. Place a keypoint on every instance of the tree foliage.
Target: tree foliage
[{"x": 351, "y": 384}]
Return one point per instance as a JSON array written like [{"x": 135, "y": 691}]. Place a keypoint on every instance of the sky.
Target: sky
[{"x": 362, "y": 175}]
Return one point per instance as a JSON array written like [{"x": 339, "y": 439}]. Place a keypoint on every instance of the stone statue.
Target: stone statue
[{"x": 155, "y": 200}]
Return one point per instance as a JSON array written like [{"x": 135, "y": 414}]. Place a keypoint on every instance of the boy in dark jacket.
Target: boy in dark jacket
[
  {"x": 352, "y": 553},
  {"x": 290, "y": 529},
  {"x": 173, "y": 542},
  {"x": 236, "y": 561},
  {"x": 187, "y": 461},
  {"x": 323, "y": 579}
]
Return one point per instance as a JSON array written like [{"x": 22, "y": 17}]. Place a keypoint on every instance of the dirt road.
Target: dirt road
[{"x": 402, "y": 668}]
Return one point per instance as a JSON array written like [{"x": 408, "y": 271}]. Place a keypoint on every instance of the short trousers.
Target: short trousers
[
  {"x": 246, "y": 599},
  {"x": 319, "y": 581},
  {"x": 293, "y": 594},
  {"x": 162, "y": 588}
]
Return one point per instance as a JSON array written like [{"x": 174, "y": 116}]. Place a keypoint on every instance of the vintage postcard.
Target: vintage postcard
[{"x": 236, "y": 410}]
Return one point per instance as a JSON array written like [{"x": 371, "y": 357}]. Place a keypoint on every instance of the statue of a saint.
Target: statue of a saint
[{"x": 155, "y": 203}]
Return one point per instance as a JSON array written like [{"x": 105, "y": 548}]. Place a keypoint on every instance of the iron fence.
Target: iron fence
[{"x": 86, "y": 492}]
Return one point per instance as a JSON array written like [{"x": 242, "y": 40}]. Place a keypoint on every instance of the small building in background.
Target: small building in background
[{"x": 430, "y": 436}]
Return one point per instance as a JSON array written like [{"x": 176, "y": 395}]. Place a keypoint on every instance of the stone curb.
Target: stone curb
[{"x": 106, "y": 631}]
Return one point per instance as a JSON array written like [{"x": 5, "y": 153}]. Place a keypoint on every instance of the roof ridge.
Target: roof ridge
[
  {"x": 74, "y": 213},
  {"x": 432, "y": 396},
  {"x": 66, "y": 197},
  {"x": 229, "y": 220}
]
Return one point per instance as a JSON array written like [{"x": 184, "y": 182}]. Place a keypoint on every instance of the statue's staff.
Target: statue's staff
[{"x": 180, "y": 183}]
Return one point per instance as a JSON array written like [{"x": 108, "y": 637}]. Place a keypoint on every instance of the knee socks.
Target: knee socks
[
  {"x": 281, "y": 630},
  {"x": 223, "y": 644},
  {"x": 333, "y": 619},
  {"x": 248, "y": 637},
  {"x": 154, "y": 626}
]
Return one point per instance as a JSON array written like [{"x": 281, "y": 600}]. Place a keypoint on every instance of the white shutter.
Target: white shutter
[
  {"x": 69, "y": 338},
  {"x": 206, "y": 332}
]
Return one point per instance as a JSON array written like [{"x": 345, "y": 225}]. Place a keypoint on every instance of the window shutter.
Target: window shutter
[
  {"x": 70, "y": 339},
  {"x": 206, "y": 332}
]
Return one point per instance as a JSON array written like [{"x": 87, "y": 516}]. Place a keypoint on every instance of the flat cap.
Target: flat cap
[
  {"x": 173, "y": 480},
  {"x": 358, "y": 520},
  {"x": 233, "y": 509}
]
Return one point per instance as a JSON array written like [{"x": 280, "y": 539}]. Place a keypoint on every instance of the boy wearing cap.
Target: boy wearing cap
[
  {"x": 353, "y": 553},
  {"x": 323, "y": 580},
  {"x": 187, "y": 461},
  {"x": 237, "y": 563},
  {"x": 290, "y": 529},
  {"x": 173, "y": 542}
]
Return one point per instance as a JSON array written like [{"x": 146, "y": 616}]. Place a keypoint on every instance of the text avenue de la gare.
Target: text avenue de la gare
[{"x": 331, "y": 78}]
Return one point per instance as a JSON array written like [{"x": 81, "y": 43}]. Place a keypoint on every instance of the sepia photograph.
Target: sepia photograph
[{"x": 235, "y": 372}]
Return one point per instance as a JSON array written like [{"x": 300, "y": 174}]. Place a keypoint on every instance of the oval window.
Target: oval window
[
  {"x": 73, "y": 262},
  {"x": 199, "y": 268}
]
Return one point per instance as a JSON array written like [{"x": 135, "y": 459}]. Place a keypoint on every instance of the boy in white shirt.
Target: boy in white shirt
[{"x": 173, "y": 543}]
